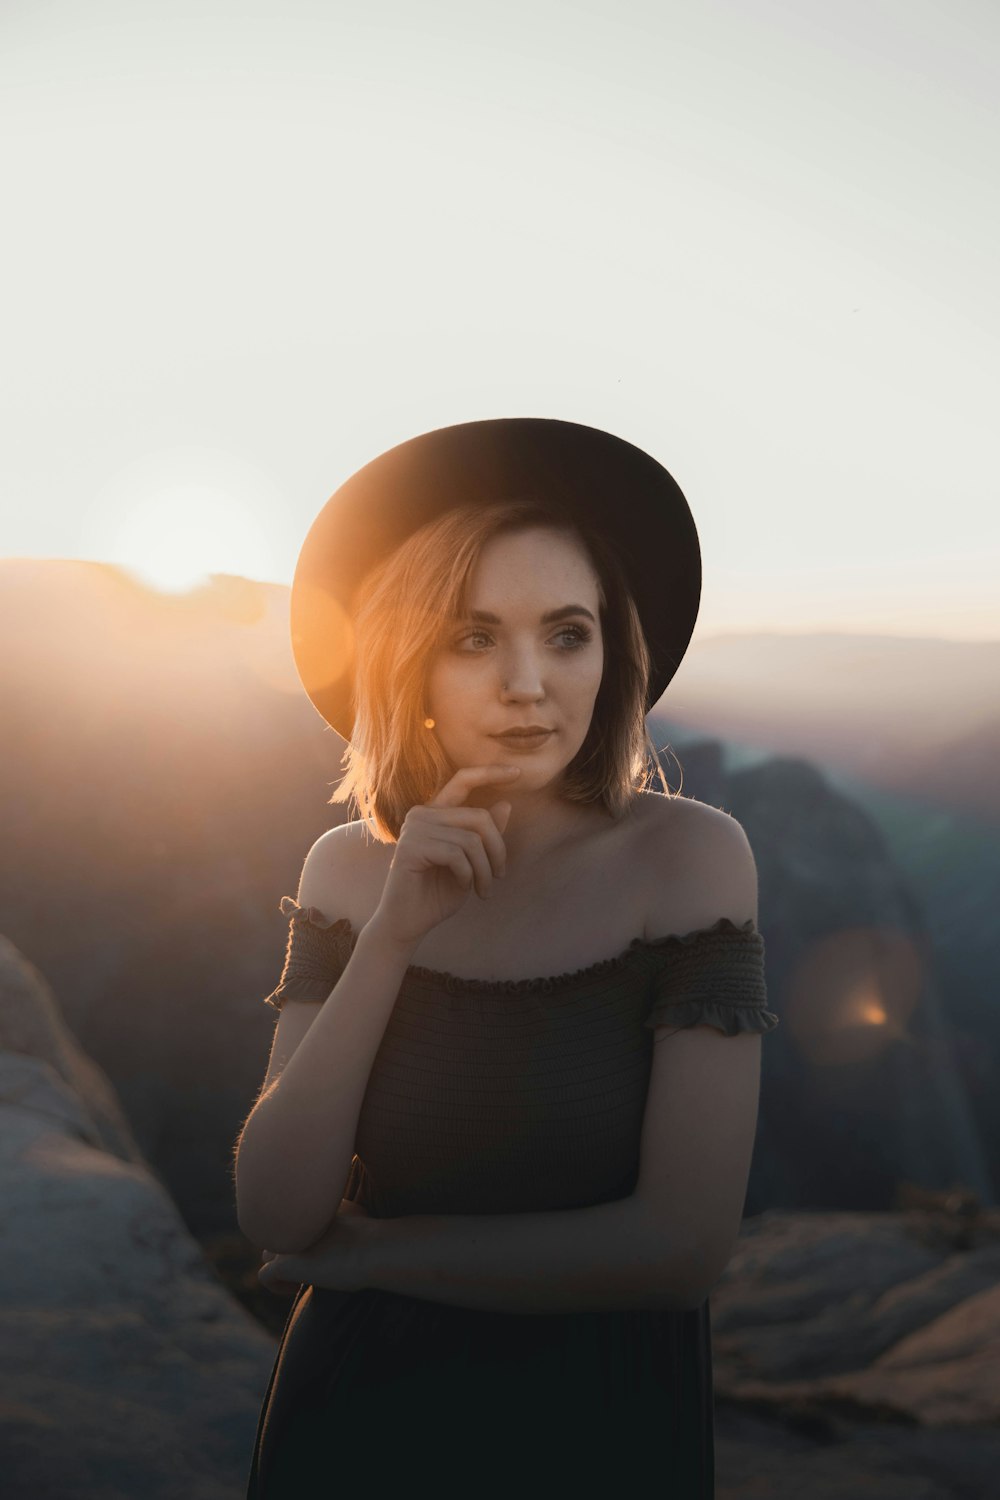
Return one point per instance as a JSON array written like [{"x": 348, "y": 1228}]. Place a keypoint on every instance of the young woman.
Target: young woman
[{"x": 518, "y": 1041}]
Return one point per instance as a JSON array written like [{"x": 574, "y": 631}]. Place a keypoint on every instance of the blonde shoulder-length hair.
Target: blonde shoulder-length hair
[{"x": 404, "y": 611}]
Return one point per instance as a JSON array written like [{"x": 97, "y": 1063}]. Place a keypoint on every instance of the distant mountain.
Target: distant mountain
[
  {"x": 885, "y": 1052},
  {"x": 163, "y": 775},
  {"x": 920, "y": 717}
]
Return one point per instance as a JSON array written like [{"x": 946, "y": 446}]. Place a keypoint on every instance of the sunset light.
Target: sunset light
[
  {"x": 173, "y": 516},
  {"x": 754, "y": 309},
  {"x": 174, "y": 538}
]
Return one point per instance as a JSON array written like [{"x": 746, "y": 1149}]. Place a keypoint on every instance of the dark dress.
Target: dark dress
[{"x": 499, "y": 1097}]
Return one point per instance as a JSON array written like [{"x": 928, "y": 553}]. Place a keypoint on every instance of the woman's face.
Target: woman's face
[{"x": 506, "y": 666}]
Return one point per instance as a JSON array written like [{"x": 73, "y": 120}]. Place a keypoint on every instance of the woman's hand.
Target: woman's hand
[
  {"x": 337, "y": 1259},
  {"x": 443, "y": 850}
]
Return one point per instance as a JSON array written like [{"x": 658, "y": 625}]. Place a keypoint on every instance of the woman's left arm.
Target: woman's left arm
[{"x": 664, "y": 1247}]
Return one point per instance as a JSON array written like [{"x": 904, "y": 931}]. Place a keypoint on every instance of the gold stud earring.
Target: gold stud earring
[{"x": 428, "y": 723}]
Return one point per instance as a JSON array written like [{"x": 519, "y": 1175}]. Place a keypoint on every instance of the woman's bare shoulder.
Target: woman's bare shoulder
[
  {"x": 680, "y": 813},
  {"x": 708, "y": 850},
  {"x": 337, "y": 865}
]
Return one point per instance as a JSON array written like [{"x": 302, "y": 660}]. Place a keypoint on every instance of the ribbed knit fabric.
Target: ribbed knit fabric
[
  {"x": 508, "y": 1096},
  {"x": 492, "y": 1097}
]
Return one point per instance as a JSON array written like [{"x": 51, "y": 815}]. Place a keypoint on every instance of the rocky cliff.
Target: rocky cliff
[
  {"x": 127, "y": 1369},
  {"x": 857, "y": 1355},
  {"x": 863, "y": 1085}
]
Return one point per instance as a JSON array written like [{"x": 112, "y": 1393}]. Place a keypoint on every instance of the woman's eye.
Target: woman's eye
[{"x": 579, "y": 634}]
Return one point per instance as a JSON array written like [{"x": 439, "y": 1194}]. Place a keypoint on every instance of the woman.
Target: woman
[{"x": 522, "y": 998}]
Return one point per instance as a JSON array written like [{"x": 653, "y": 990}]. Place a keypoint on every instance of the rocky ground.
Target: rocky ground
[{"x": 857, "y": 1355}]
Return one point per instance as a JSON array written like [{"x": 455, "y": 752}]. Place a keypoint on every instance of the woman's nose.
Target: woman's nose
[{"x": 521, "y": 678}]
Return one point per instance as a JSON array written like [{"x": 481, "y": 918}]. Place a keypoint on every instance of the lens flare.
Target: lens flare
[{"x": 852, "y": 994}]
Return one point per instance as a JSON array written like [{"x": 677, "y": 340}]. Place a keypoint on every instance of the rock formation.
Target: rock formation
[
  {"x": 128, "y": 1369},
  {"x": 857, "y": 1355}
]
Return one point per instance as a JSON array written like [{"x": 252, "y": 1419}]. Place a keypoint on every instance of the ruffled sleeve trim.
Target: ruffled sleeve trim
[
  {"x": 711, "y": 977},
  {"x": 289, "y": 907},
  {"x": 315, "y": 956},
  {"x": 725, "y": 1015}
]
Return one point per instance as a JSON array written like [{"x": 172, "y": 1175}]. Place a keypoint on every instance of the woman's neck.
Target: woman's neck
[{"x": 540, "y": 823}]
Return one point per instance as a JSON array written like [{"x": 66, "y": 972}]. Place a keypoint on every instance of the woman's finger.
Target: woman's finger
[
  {"x": 468, "y": 844},
  {"x": 351, "y": 1206},
  {"x": 269, "y": 1279},
  {"x": 467, "y": 778},
  {"x": 454, "y": 858},
  {"x": 478, "y": 820}
]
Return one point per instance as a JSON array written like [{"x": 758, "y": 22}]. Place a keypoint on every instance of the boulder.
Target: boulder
[
  {"x": 32, "y": 1026},
  {"x": 128, "y": 1368}
]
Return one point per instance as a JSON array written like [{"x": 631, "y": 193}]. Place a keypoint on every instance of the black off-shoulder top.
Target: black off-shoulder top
[{"x": 519, "y": 1095}]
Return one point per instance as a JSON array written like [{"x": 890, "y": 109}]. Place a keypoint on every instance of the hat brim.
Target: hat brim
[{"x": 612, "y": 485}]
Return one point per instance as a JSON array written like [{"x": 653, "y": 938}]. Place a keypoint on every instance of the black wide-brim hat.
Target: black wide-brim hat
[{"x": 613, "y": 486}]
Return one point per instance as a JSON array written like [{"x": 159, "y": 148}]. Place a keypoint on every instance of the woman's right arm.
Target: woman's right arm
[{"x": 295, "y": 1151}]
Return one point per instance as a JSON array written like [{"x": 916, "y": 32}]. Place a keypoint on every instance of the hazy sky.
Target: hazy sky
[{"x": 249, "y": 245}]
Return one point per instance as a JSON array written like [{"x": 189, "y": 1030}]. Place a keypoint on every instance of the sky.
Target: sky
[{"x": 251, "y": 245}]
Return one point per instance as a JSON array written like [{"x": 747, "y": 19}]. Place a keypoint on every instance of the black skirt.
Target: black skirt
[{"x": 377, "y": 1389}]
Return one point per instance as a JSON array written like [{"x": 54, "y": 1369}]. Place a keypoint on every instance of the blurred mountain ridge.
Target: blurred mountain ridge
[
  {"x": 164, "y": 775},
  {"x": 918, "y": 717}
]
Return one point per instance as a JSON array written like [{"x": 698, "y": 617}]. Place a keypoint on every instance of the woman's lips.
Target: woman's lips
[{"x": 524, "y": 742}]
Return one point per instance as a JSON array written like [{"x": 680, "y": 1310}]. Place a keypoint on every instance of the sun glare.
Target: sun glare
[{"x": 174, "y": 537}]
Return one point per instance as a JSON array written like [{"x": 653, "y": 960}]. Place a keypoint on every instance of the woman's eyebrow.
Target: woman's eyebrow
[{"x": 484, "y": 617}]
